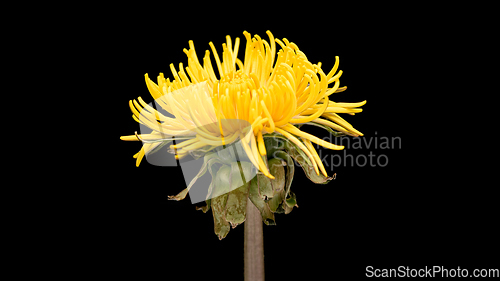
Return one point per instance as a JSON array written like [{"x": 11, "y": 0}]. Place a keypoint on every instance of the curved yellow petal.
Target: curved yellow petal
[{"x": 301, "y": 146}]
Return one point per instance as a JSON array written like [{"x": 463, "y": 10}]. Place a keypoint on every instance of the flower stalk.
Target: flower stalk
[{"x": 253, "y": 245}]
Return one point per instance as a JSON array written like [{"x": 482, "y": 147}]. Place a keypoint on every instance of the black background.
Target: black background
[{"x": 401, "y": 213}]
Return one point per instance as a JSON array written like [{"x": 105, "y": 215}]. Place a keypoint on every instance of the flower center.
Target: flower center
[
  {"x": 237, "y": 81},
  {"x": 235, "y": 77}
]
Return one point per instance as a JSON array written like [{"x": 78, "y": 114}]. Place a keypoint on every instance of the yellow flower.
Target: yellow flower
[{"x": 271, "y": 91}]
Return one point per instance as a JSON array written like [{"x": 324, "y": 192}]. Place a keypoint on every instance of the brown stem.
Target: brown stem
[{"x": 254, "y": 244}]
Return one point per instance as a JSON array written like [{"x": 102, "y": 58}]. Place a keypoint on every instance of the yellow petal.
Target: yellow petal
[
  {"x": 316, "y": 156},
  {"x": 312, "y": 138},
  {"x": 300, "y": 145},
  {"x": 318, "y": 113},
  {"x": 260, "y": 140},
  {"x": 347, "y": 104}
]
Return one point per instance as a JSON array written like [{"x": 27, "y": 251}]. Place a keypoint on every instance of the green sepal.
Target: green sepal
[
  {"x": 222, "y": 184},
  {"x": 290, "y": 203},
  {"x": 265, "y": 187},
  {"x": 237, "y": 205},
  {"x": 205, "y": 208},
  {"x": 237, "y": 198},
  {"x": 272, "y": 144},
  {"x": 241, "y": 173},
  {"x": 278, "y": 183},
  {"x": 290, "y": 171},
  {"x": 221, "y": 226},
  {"x": 258, "y": 201}
]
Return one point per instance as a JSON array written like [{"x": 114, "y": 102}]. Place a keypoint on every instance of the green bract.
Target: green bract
[{"x": 231, "y": 184}]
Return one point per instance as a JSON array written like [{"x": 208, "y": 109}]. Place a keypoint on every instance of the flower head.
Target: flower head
[{"x": 270, "y": 91}]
